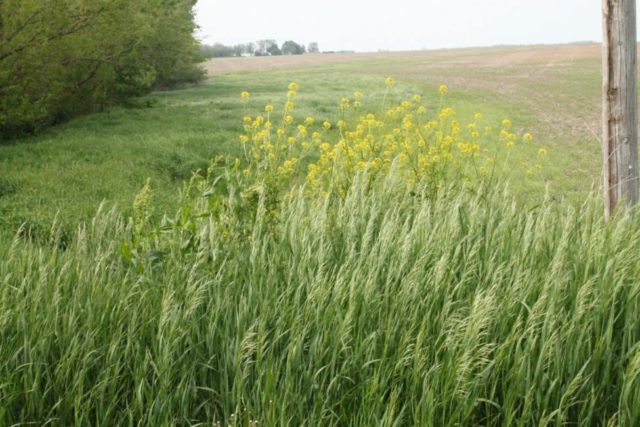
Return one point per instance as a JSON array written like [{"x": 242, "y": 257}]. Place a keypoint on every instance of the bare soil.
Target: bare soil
[{"x": 479, "y": 57}]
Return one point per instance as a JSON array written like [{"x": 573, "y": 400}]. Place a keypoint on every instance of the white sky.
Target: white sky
[{"x": 370, "y": 25}]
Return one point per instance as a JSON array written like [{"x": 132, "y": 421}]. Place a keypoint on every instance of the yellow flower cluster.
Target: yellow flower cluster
[{"x": 423, "y": 145}]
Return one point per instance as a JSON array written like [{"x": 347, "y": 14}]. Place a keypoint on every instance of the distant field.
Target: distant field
[
  {"x": 552, "y": 91},
  {"x": 556, "y": 89},
  {"x": 558, "y": 83},
  {"x": 549, "y": 55}
]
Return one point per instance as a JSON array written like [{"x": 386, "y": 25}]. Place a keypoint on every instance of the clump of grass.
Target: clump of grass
[{"x": 378, "y": 308}]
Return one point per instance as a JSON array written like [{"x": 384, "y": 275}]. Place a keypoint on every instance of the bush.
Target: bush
[{"x": 63, "y": 58}]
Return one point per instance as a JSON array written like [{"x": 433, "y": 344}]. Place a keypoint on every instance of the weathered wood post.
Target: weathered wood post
[{"x": 620, "y": 106}]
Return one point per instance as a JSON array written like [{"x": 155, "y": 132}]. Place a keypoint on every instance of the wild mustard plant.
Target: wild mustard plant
[
  {"x": 420, "y": 143},
  {"x": 427, "y": 146}
]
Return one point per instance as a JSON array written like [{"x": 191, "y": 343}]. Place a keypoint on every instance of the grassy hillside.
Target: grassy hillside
[
  {"x": 72, "y": 168},
  {"x": 394, "y": 284}
]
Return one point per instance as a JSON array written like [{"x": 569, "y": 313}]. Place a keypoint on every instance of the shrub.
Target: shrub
[{"x": 62, "y": 58}]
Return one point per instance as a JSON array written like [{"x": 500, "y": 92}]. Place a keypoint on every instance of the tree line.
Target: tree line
[
  {"x": 61, "y": 58},
  {"x": 266, "y": 47}
]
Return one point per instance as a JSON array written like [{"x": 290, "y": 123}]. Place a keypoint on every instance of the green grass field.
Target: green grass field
[
  {"x": 257, "y": 302},
  {"x": 68, "y": 170}
]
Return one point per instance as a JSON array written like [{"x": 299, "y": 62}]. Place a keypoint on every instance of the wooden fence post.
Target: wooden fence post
[{"x": 620, "y": 107}]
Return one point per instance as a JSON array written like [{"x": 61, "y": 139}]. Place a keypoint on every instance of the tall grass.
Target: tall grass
[{"x": 378, "y": 309}]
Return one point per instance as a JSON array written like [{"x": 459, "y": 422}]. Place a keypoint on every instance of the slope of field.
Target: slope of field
[
  {"x": 552, "y": 91},
  {"x": 415, "y": 295},
  {"x": 486, "y": 57},
  {"x": 556, "y": 88}
]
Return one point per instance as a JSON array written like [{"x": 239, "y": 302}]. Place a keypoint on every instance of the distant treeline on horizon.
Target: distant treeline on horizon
[{"x": 266, "y": 47}]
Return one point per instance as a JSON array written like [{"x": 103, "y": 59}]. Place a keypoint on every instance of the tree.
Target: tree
[
  {"x": 292, "y": 48},
  {"x": 171, "y": 49},
  {"x": 274, "y": 50},
  {"x": 266, "y": 47},
  {"x": 250, "y": 48},
  {"x": 218, "y": 50},
  {"x": 60, "y": 58},
  {"x": 313, "y": 48},
  {"x": 239, "y": 49}
]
